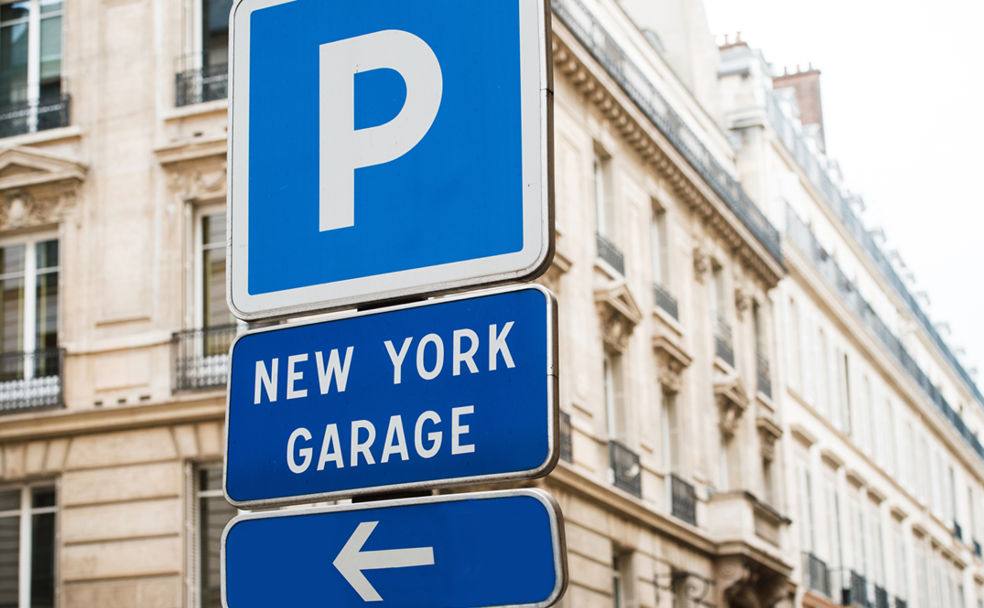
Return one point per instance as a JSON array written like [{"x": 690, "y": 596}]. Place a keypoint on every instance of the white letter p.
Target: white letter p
[{"x": 345, "y": 149}]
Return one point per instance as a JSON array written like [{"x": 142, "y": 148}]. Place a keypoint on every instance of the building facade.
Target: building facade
[{"x": 712, "y": 407}]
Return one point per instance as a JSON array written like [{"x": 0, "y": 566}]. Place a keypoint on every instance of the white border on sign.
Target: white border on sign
[
  {"x": 558, "y": 536},
  {"x": 538, "y": 205},
  {"x": 552, "y": 406}
]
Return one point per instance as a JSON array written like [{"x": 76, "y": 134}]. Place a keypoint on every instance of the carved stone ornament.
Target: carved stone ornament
[
  {"x": 671, "y": 360},
  {"x": 743, "y": 301},
  {"x": 732, "y": 401},
  {"x": 769, "y": 433},
  {"x": 200, "y": 180},
  {"x": 702, "y": 263},
  {"x": 36, "y": 187},
  {"x": 618, "y": 314},
  {"x": 551, "y": 279}
]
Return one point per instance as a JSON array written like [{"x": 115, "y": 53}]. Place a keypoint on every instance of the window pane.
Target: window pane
[
  {"x": 46, "y": 310},
  {"x": 47, "y": 253},
  {"x": 9, "y": 554},
  {"x": 42, "y": 497},
  {"x": 215, "y": 514},
  {"x": 215, "y": 31},
  {"x": 12, "y": 310},
  {"x": 214, "y": 229},
  {"x": 50, "y": 6},
  {"x": 12, "y": 259},
  {"x": 216, "y": 312},
  {"x": 209, "y": 479},
  {"x": 51, "y": 39},
  {"x": 13, "y": 63},
  {"x": 14, "y": 10},
  {"x": 43, "y": 554},
  {"x": 10, "y": 500}
]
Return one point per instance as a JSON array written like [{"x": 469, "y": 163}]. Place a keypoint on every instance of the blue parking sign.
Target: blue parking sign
[{"x": 385, "y": 148}]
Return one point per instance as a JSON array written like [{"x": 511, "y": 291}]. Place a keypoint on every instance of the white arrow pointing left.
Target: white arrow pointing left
[{"x": 351, "y": 560}]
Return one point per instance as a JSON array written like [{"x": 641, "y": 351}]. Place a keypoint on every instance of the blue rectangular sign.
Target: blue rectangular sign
[
  {"x": 455, "y": 391},
  {"x": 379, "y": 149},
  {"x": 466, "y": 550}
]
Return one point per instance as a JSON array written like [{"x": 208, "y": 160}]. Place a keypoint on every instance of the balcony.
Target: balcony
[
  {"x": 199, "y": 78},
  {"x": 977, "y": 549},
  {"x": 816, "y": 576},
  {"x": 683, "y": 500},
  {"x": 857, "y": 593},
  {"x": 566, "y": 443},
  {"x": 610, "y": 253},
  {"x": 881, "y": 597},
  {"x": 901, "y": 603},
  {"x": 763, "y": 374},
  {"x": 201, "y": 357},
  {"x": 722, "y": 342},
  {"x": 626, "y": 469},
  {"x": 23, "y": 117},
  {"x": 666, "y": 301},
  {"x": 957, "y": 531},
  {"x": 31, "y": 380}
]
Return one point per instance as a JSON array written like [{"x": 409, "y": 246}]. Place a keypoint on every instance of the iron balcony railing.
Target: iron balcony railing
[
  {"x": 30, "y": 380},
  {"x": 626, "y": 468},
  {"x": 33, "y": 116},
  {"x": 977, "y": 548},
  {"x": 815, "y": 574},
  {"x": 197, "y": 79},
  {"x": 842, "y": 208},
  {"x": 611, "y": 254},
  {"x": 901, "y": 603},
  {"x": 683, "y": 500},
  {"x": 881, "y": 597},
  {"x": 566, "y": 441},
  {"x": 764, "y": 375},
  {"x": 856, "y": 594},
  {"x": 201, "y": 356},
  {"x": 641, "y": 90},
  {"x": 804, "y": 240},
  {"x": 666, "y": 301},
  {"x": 957, "y": 531},
  {"x": 722, "y": 342}
]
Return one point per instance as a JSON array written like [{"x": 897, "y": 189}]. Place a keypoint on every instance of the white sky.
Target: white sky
[{"x": 903, "y": 106}]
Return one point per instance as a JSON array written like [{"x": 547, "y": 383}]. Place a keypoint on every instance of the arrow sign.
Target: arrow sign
[
  {"x": 485, "y": 549},
  {"x": 352, "y": 560}
]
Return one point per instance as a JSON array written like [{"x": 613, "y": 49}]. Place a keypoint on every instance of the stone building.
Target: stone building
[
  {"x": 684, "y": 432},
  {"x": 884, "y": 463}
]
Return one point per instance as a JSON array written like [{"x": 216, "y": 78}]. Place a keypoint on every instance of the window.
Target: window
[
  {"x": 922, "y": 577},
  {"x": 878, "y": 547},
  {"x": 209, "y": 514},
  {"x": 901, "y": 565},
  {"x": 30, "y": 52},
  {"x": 823, "y": 381},
  {"x": 724, "y": 481},
  {"x": 29, "y": 309},
  {"x": 805, "y": 495},
  {"x": 671, "y": 433},
  {"x": 604, "y": 197},
  {"x": 27, "y": 546},
  {"x": 660, "y": 248},
  {"x": 213, "y": 308},
  {"x": 215, "y": 32},
  {"x": 860, "y": 546},
  {"x": 833, "y": 523},
  {"x": 795, "y": 357},
  {"x": 844, "y": 393},
  {"x": 618, "y": 582},
  {"x": 767, "y": 482},
  {"x": 614, "y": 397}
]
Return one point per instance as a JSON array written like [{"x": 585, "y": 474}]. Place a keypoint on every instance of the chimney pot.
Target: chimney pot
[{"x": 737, "y": 37}]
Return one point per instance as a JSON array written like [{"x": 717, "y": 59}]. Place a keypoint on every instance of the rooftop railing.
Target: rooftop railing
[
  {"x": 609, "y": 252},
  {"x": 31, "y": 380},
  {"x": 842, "y": 209},
  {"x": 201, "y": 356},
  {"x": 626, "y": 468},
  {"x": 804, "y": 240},
  {"x": 640, "y": 89},
  {"x": 197, "y": 80},
  {"x": 722, "y": 342},
  {"x": 683, "y": 500},
  {"x": 666, "y": 301}
]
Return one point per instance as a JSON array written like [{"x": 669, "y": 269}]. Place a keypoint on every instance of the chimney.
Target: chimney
[{"x": 807, "y": 87}]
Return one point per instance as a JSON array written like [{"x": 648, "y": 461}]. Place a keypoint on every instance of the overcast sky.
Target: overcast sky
[{"x": 903, "y": 105}]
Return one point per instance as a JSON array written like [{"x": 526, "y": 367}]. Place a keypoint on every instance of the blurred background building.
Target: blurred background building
[{"x": 755, "y": 410}]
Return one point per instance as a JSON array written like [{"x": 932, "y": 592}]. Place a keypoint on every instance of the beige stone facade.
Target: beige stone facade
[{"x": 699, "y": 381}]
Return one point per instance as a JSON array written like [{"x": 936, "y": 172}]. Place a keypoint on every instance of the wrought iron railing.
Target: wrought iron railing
[
  {"x": 201, "y": 356},
  {"x": 666, "y": 301},
  {"x": 842, "y": 209},
  {"x": 901, "y": 603},
  {"x": 683, "y": 500},
  {"x": 816, "y": 576},
  {"x": 626, "y": 468},
  {"x": 957, "y": 531},
  {"x": 32, "y": 116},
  {"x": 611, "y": 254},
  {"x": 723, "y": 346},
  {"x": 977, "y": 548},
  {"x": 856, "y": 594},
  {"x": 566, "y": 441},
  {"x": 804, "y": 240},
  {"x": 641, "y": 90},
  {"x": 764, "y": 375},
  {"x": 197, "y": 80},
  {"x": 30, "y": 380},
  {"x": 881, "y": 597}
]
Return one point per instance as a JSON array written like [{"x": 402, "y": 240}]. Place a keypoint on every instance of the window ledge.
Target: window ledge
[
  {"x": 43, "y": 137},
  {"x": 196, "y": 109}
]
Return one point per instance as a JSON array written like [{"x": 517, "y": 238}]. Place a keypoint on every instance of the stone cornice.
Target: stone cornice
[{"x": 574, "y": 63}]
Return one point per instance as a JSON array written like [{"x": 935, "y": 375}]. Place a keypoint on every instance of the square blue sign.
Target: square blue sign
[{"x": 385, "y": 148}]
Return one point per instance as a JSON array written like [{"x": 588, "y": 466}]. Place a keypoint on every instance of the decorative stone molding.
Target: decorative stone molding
[
  {"x": 36, "y": 187},
  {"x": 671, "y": 360},
  {"x": 769, "y": 433},
  {"x": 732, "y": 401},
  {"x": 551, "y": 278},
  {"x": 702, "y": 263},
  {"x": 743, "y": 301},
  {"x": 618, "y": 313},
  {"x": 195, "y": 171}
]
